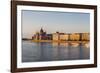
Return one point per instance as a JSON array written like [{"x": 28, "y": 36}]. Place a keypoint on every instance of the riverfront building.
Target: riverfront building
[
  {"x": 60, "y": 36},
  {"x": 75, "y": 36},
  {"x": 42, "y": 35},
  {"x": 85, "y": 36}
]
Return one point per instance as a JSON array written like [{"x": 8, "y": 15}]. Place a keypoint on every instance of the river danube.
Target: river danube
[{"x": 35, "y": 52}]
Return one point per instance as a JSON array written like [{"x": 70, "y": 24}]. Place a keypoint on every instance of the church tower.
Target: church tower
[{"x": 41, "y": 31}]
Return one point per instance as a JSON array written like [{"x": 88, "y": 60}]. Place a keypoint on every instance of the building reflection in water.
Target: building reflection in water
[
  {"x": 60, "y": 44},
  {"x": 86, "y": 45},
  {"x": 63, "y": 51},
  {"x": 55, "y": 51},
  {"x": 74, "y": 44}
]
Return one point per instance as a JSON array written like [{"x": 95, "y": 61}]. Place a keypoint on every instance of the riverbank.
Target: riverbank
[{"x": 59, "y": 41}]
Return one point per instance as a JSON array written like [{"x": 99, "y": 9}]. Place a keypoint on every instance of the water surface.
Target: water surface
[{"x": 33, "y": 52}]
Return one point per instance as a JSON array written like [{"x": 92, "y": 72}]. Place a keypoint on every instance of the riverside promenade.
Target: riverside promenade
[{"x": 59, "y": 41}]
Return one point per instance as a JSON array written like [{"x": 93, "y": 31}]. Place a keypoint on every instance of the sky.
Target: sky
[{"x": 52, "y": 21}]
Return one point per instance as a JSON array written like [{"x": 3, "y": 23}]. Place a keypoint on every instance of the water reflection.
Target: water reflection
[
  {"x": 60, "y": 44},
  {"x": 74, "y": 44},
  {"x": 32, "y": 52},
  {"x": 86, "y": 45}
]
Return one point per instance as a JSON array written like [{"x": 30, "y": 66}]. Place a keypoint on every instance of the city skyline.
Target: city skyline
[{"x": 66, "y": 22}]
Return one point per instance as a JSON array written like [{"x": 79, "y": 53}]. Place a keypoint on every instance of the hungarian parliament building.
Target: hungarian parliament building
[{"x": 58, "y": 36}]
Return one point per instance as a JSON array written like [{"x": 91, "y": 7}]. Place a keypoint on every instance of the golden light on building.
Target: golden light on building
[
  {"x": 85, "y": 36},
  {"x": 64, "y": 37},
  {"x": 75, "y": 37},
  {"x": 55, "y": 36},
  {"x": 61, "y": 36}
]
